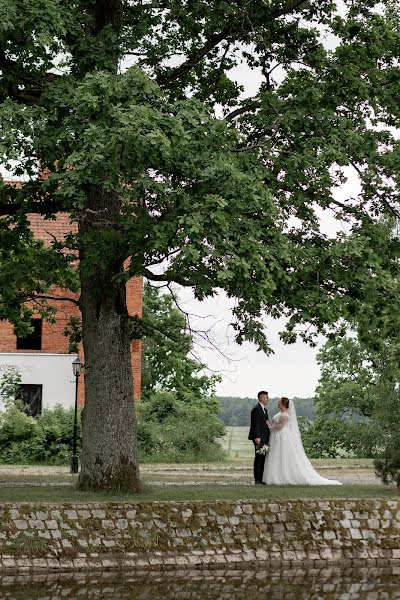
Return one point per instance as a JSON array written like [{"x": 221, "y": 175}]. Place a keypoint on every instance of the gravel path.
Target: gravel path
[{"x": 173, "y": 475}]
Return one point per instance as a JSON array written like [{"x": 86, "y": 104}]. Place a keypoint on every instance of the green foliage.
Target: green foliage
[
  {"x": 9, "y": 384},
  {"x": 358, "y": 396},
  {"x": 388, "y": 467},
  {"x": 211, "y": 199},
  {"x": 45, "y": 439},
  {"x": 332, "y": 437},
  {"x": 178, "y": 419},
  {"x": 167, "y": 363},
  {"x": 182, "y": 430},
  {"x": 344, "y": 403}
]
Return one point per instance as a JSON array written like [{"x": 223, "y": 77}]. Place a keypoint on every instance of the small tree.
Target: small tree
[
  {"x": 388, "y": 467},
  {"x": 178, "y": 415},
  {"x": 168, "y": 362},
  {"x": 10, "y": 382}
]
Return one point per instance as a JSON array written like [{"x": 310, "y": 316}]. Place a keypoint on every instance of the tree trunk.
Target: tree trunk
[{"x": 109, "y": 456}]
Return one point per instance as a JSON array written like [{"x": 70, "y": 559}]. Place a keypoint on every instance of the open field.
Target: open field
[{"x": 240, "y": 449}]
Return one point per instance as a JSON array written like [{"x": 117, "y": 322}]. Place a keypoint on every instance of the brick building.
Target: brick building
[{"x": 42, "y": 358}]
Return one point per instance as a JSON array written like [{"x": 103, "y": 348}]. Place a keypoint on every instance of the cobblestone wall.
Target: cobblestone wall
[{"x": 307, "y": 533}]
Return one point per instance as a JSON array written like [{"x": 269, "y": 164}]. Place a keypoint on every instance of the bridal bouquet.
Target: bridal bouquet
[{"x": 262, "y": 449}]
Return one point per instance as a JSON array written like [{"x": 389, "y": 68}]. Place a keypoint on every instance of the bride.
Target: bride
[{"x": 286, "y": 462}]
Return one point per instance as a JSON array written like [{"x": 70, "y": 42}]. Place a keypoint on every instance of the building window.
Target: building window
[
  {"x": 31, "y": 396},
  {"x": 33, "y": 341}
]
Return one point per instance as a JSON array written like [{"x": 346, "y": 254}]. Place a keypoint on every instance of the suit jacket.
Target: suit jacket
[{"x": 258, "y": 424}]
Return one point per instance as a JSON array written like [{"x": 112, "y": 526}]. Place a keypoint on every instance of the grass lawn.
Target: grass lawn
[{"x": 191, "y": 493}]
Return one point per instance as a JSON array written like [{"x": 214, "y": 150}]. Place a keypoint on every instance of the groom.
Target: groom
[{"x": 259, "y": 433}]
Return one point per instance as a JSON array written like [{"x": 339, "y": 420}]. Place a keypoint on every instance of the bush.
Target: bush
[
  {"x": 387, "y": 463},
  {"x": 332, "y": 437},
  {"x": 388, "y": 467},
  {"x": 46, "y": 439},
  {"x": 171, "y": 430}
]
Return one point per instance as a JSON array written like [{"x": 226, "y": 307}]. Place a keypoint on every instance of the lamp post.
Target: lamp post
[{"x": 77, "y": 366}]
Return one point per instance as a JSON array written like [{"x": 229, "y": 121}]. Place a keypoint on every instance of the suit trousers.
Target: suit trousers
[{"x": 259, "y": 460}]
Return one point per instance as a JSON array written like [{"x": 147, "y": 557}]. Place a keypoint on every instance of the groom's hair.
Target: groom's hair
[{"x": 261, "y": 393}]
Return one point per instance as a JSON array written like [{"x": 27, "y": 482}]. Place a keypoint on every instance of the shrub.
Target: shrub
[
  {"x": 171, "y": 430},
  {"x": 337, "y": 438},
  {"x": 388, "y": 467},
  {"x": 46, "y": 439}
]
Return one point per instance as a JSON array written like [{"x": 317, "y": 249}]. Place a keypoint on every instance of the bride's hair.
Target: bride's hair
[{"x": 285, "y": 401}]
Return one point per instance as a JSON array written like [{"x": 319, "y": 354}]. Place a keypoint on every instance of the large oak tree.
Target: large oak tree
[{"x": 168, "y": 163}]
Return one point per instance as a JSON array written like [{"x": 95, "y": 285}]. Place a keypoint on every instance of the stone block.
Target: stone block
[
  {"x": 42, "y": 515},
  {"x": 247, "y": 509},
  {"x": 122, "y": 524},
  {"x": 45, "y": 534},
  {"x": 36, "y": 524},
  {"x": 56, "y": 534},
  {"x": 346, "y": 523},
  {"x": 355, "y": 534},
  {"x": 107, "y": 524},
  {"x": 71, "y": 514},
  {"x": 39, "y": 563},
  {"x": 373, "y": 523}
]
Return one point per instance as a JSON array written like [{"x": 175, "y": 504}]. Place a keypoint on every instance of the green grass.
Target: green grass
[{"x": 190, "y": 493}]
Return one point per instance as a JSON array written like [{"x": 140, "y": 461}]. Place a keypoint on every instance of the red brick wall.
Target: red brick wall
[
  {"x": 134, "y": 294},
  {"x": 55, "y": 342}
]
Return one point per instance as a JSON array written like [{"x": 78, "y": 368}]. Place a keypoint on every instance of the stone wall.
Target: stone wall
[{"x": 306, "y": 533}]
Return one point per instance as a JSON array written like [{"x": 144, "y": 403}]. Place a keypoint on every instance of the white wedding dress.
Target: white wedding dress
[{"x": 286, "y": 462}]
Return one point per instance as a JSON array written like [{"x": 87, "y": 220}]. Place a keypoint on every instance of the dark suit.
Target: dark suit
[{"x": 259, "y": 429}]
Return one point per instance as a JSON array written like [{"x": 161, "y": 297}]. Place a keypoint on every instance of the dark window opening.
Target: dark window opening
[
  {"x": 33, "y": 341},
  {"x": 31, "y": 396}
]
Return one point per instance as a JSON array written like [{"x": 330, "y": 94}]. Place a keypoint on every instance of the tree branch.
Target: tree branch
[
  {"x": 163, "y": 277},
  {"x": 29, "y": 198},
  {"x": 226, "y": 33},
  {"x": 250, "y": 106},
  {"x": 195, "y": 58},
  {"x": 59, "y": 299}
]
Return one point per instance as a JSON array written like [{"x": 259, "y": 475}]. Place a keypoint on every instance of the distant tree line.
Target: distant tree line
[{"x": 235, "y": 411}]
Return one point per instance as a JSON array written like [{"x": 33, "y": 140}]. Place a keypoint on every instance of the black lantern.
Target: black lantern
[{"x": 77, "y": 367}]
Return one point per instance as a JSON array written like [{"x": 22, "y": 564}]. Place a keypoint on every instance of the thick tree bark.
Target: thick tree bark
[{"x": 109, "y": 459}]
